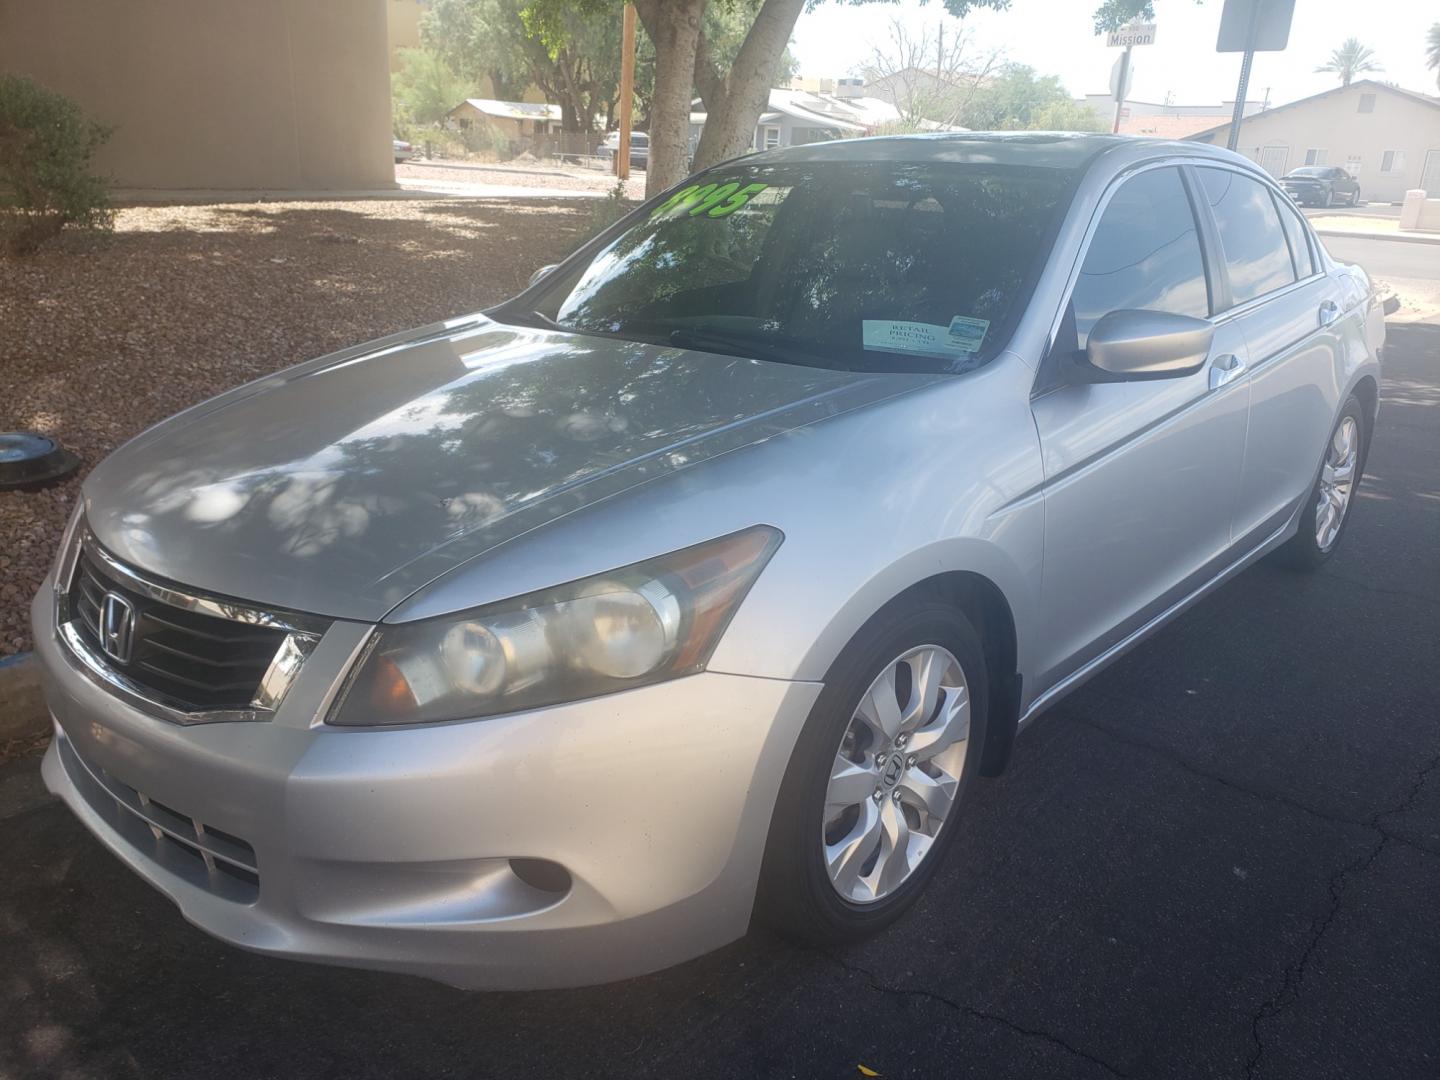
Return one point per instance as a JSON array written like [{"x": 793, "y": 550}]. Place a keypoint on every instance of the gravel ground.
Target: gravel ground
[{"x": 99, "y": 339}]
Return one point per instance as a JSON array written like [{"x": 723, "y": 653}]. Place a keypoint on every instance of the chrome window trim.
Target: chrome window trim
[{"x": 302, "y": 634}]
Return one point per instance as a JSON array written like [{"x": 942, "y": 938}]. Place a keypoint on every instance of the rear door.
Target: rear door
[
  {"x": 1140, "y": 476},
  {"x": 1288, "y": 311}
]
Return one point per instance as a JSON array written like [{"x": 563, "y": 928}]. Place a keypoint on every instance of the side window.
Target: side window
[
  {"x": 1257, "y": 255},
  {"x": 1299, "y": 244},
  {"x": 1145, "y": 254}
]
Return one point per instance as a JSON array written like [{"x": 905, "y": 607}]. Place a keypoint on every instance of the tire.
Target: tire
[
  {"x": 797, "y": 894},
  {"x": 1305, "y": 551},
  {"x": 1355, "y": 198}
]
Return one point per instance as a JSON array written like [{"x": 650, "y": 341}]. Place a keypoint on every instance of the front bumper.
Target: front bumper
[{"x": 638, "y": 821}]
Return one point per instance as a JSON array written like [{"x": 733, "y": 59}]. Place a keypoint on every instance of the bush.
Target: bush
[
  {"x": 607, "y": 211},
  {"x": 46, "y": 143}
]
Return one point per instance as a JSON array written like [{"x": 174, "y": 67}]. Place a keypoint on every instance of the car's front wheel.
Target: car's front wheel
[
  {"x": 871, "y": 798},
  {"x": 1327, "y": 510}
]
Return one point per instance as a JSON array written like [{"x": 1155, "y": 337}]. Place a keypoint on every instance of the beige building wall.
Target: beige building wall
[
  {"x": 1352, "y": 139},
  {"x": 219, "y": 94},
  {"x": 402, "y": 18}
]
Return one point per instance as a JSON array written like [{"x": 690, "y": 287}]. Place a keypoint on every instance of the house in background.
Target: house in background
[
  {"x": 516, "y": 120},
  {"x": 1385, "y": 137},
  {"x": 795, "y": 117}
]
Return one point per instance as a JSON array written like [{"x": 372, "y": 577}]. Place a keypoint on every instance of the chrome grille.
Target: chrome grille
[
  {"x": 198, "y": 661},
  {"x": 203, "y": 855}
]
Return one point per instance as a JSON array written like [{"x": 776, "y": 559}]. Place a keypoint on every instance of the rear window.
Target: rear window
[{"x": 865, "y": 266}]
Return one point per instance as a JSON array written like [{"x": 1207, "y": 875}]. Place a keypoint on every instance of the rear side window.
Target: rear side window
[
  {"x": 1257, "y": 254},
  {"x": 1299, "y": 245},
  {"x": 1145, "y": 254}
]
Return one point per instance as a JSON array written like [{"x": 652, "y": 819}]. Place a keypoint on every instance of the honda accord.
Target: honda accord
[{"x": 698, "y": 581}]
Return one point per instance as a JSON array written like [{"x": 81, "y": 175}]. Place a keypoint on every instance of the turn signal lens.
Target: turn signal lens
[{"x": 654, "y": 620}]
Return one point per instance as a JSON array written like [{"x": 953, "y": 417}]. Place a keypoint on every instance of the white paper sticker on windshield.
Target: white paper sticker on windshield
[
  {"x": 969, "y": 333},
  {"x": 923, "y": 339}
]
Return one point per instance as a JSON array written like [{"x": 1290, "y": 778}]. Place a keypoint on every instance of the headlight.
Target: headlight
[{"x": 644, "y": 623}]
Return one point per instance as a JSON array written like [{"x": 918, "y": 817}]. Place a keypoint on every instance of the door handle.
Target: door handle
[
  {"x": 1329, "y": 312},
  {"x": 1224, "y": 369}
]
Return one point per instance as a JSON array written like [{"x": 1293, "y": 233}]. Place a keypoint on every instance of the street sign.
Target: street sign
[
  {"x": 1131, "y": 35},
  {"x": 1255, "y": 25},
  {"x": 1121, "y": 70}
]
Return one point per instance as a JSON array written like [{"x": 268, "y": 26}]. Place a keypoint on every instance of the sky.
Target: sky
[{"x": 1056, "y": 37}]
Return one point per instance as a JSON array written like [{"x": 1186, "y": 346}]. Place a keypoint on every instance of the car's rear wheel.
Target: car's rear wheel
[
  {"x": 871, "y": 798},
  {"x": 1327, "y": 510}
]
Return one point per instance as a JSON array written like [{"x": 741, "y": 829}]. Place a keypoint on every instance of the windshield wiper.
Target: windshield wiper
[{"x": 749, "y": 346}]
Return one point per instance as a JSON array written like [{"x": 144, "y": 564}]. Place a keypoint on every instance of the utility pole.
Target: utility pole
[{"x": 627, "y": 90}]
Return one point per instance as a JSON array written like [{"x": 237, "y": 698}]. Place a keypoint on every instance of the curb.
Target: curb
[
  {"x": 22, "y": 708},
  {"x": 1379, "y": 236}
]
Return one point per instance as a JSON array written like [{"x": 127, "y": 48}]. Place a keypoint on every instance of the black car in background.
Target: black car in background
[{"x": 1321, "y": 185}]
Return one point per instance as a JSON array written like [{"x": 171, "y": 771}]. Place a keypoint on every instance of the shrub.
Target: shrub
[
  {"x": 46, "y": 143},
  {"x": 607, "y": 211}
]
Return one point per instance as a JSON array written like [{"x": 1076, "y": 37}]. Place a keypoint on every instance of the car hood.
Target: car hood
[{"x": 343, "y": 486}]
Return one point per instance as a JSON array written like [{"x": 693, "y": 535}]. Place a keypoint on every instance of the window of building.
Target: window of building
[
  {"x": 770, "y": 137},
  {"x": 1145, "y": 254},
  {"x": 1392, "y": 161},
  {"x": 1367, "y": 103},
  {"x": 1314, "y": 157},
  {"x": 1257, "y": 255},
  {"x": 1352, "y": 165}
]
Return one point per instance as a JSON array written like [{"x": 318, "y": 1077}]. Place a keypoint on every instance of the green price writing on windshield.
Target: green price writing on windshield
[{"x": 711, "y": 200}]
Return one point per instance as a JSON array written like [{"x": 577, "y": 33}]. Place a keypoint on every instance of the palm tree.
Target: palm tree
[
  {"x": 1432, "y": 51},
  {"x": 1349, "y": 60}
]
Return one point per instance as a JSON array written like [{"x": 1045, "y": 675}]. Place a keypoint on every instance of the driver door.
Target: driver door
[{"x": 1140, "y": 477}]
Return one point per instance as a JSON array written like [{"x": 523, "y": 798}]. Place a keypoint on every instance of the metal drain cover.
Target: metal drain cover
[{"x": 31, "y": 460}]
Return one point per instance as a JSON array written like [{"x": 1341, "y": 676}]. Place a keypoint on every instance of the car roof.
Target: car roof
[{"x": 1045, "y": 149}]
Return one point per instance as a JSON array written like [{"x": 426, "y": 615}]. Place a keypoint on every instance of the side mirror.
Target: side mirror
[
  {"x": 1129, "y": 345},
  {"x": 538, "y": 274}
]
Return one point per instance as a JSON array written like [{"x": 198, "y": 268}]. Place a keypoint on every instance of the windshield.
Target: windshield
[{"x": 863, "y": 266}]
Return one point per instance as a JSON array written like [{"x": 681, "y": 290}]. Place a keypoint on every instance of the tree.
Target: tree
[
  {"x": 929, "y": 75},
  {"x": 1349, "y": 60},
  {"x": 1432, "y": 51},
  {"x": 733, "y": 98},
  {"x": 572, "y": 55},
  {"x": 1018, "y": 99},
  {"x": 425, "y": 89}
]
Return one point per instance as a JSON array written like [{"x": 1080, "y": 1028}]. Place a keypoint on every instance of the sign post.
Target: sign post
[
  {"x": 1128, "y": 37},
  {"x": 1251, "y": 26}
]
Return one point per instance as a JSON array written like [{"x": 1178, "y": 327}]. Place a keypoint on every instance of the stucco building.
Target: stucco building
[
  {"x": 1386, "y": 137},
  {"x": 216, "y": 94}
]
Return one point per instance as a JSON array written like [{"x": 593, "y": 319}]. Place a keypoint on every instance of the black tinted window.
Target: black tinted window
[
  {"x": 1256, "y": 253},
  {"x": 1299, "y": 245},
  {"x": 1145, "y": 254},
  {"x": 867, "y": 266}
]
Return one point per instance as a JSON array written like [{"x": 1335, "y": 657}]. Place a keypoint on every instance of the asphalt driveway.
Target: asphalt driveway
[{"x": 1221, "y": 858}]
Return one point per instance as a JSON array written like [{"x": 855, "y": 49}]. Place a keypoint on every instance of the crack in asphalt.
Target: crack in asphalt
[
  {"x": 1255, "y": 793},
  {"x": 1294, "y": 975},
  {"x": 980, "y": 1014}
]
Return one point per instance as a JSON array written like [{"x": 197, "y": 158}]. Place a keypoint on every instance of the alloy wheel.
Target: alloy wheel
[
  {"x": 896, "y": 774},
  {"x": 1337, "y": 483}
]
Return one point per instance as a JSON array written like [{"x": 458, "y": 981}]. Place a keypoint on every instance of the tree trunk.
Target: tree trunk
[
  {"x": 730, "y": 127},
  {"x": 674, "y": 27}
]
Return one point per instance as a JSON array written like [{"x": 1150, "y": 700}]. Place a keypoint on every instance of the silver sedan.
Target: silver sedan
[{"x": 547, "y": 645}]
